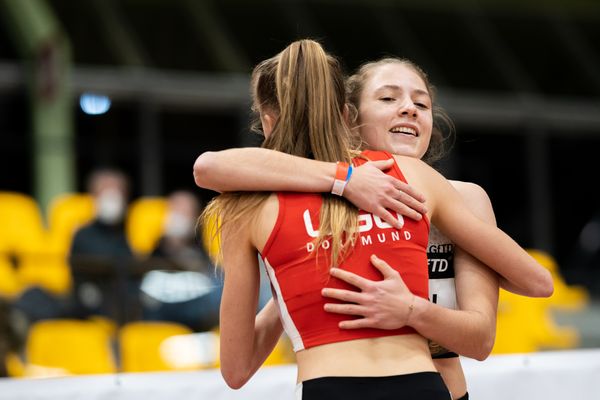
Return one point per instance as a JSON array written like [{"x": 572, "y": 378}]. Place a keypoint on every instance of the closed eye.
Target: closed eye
[{"x": 387, "y": 99}]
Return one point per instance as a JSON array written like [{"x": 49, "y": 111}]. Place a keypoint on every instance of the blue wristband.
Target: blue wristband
[{"x": 349, "y": 173}]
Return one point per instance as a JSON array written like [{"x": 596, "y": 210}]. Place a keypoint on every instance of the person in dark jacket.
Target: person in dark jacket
[{"x": 102, "y": 262}]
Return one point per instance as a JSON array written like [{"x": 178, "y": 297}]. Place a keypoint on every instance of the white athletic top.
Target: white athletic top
[{"x": 442, "y": 291}]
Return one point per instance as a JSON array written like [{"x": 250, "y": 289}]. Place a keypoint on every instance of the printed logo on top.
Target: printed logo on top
[
  {"x": 366, "y": 223},
  {"x": 440, "y": 259}
]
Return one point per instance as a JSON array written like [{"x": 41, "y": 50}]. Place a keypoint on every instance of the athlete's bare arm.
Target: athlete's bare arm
[
  {"x": 453, "y": 218},
  {"x": 260, "y": 169},
  {"x": 493, "y": 247},
  {"x": 479, "y": 202},
  {"x": 476, "y": 291},
  {"x": 245, "y": 341},
  {"x": 385, "y": 304}
]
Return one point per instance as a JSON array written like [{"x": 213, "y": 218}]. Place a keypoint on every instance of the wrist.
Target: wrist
[
  {"x": 411, "y": 308},
  {"x": 419, "y": 308},
  {"x": 326, "y": 176},
  {"x": 343, "y": 173}
]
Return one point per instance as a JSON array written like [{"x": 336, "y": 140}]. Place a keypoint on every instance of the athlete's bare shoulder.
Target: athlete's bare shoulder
[
  {"x": 475, "y": 197},
  {"x": 469, "y": 189},
  {"x": 264, "y": 221},
  {"x": 415, "y": 165},
  {"x": 415, "y": 170},
  {"x": 408, "y": 160}
]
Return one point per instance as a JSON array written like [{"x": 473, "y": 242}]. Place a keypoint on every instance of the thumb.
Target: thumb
[
  {"x": 384, "y": 268},
  {"x": 383, "y": 164}
]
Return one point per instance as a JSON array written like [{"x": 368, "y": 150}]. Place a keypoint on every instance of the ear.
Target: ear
[
  {"x": 346, "y": 114},
  {"x": 268, "y": 122}
]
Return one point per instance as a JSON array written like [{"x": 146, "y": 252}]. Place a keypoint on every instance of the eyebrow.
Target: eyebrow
[{"x": 396, "y": 87}]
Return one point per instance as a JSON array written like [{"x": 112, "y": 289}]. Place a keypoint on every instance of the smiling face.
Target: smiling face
[{"x": 395, "y": 112}]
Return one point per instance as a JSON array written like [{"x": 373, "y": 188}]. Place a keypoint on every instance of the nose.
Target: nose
[{"x": 408, "y": 109}]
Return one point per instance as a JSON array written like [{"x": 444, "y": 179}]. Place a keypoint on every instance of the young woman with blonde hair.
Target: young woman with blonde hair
[
  {"x": 462, "y": 315},
  {"x": 301, "y": 100}
]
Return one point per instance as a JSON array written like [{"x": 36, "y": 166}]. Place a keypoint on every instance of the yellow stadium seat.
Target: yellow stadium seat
[
  {"x": 24, "y": 236},
  {"x": 49, "y": 267},
  {"x": 144, "y": 346},
  {"x": 15, "y": 368},
  {"x": 22, "y": 229},
  {"x": 145, "y": 223},
  {"x": 526, "y": 325},
  {"x": 109, "y": 326},
  {"x": 565, "y": 297},
  {"x": 10, "y": 286},
  {"x": 67, "y": 213},
  {"x": 70, "y": 346},
  {"x": 511, "y": 335},
  {"x": 47, "y": 270}
]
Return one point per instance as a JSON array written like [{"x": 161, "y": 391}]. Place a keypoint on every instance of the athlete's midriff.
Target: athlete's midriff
[
  {"x": 384, "y": 356},
  {"x": 299, "y": 268}
]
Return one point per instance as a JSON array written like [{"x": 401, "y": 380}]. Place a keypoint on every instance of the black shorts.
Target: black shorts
[{"x": 417, "y": 386}]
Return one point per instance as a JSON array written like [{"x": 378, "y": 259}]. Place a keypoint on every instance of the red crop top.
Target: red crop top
[{"x": 291, "y": 261}]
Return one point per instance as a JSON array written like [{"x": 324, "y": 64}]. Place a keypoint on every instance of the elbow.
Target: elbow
[
  {"x": 234, "y": 383},
  {"x": 541, "y": 286},
  {"x": 479, "y": 353},
  {"x": 202, "y": 168},
  {"x": 487, "y": 337},
  {"x": 482, "y": 350},
  {"x": 480, "y": 356},
  {"x": 485, "y": 349},
  {"x": 233, "y": 378}
]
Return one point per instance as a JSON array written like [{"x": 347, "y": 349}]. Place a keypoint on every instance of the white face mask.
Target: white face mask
[
  {"x": 178, "y": 226},
  {"x": 110, "y": 207}
]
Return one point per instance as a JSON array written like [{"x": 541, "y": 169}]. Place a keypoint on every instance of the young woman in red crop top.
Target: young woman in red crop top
[
  {"x": 291, "y": 255},
  {"x": 299, "y": 94},
  {"x": 386, "y": 95}
]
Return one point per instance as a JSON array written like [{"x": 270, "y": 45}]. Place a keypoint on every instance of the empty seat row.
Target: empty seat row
[{"x": 74, "y": 347}]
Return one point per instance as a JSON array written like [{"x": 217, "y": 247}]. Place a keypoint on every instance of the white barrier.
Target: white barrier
[{"x": 553, "y": 375}]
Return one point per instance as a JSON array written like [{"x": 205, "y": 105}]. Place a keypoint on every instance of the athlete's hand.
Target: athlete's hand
[
  {"x": 380, "y": 304},
  {"x": 372, "y": 190}
]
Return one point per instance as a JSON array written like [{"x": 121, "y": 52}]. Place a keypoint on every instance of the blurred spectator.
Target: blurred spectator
[
  {"x": 100, "y": 261},
  {"x": 183, "y": 285},
  {"x": 100, "y": 257}
]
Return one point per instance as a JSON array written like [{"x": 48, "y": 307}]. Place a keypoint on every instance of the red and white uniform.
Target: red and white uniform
[{"x": 298, "y": 271}]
